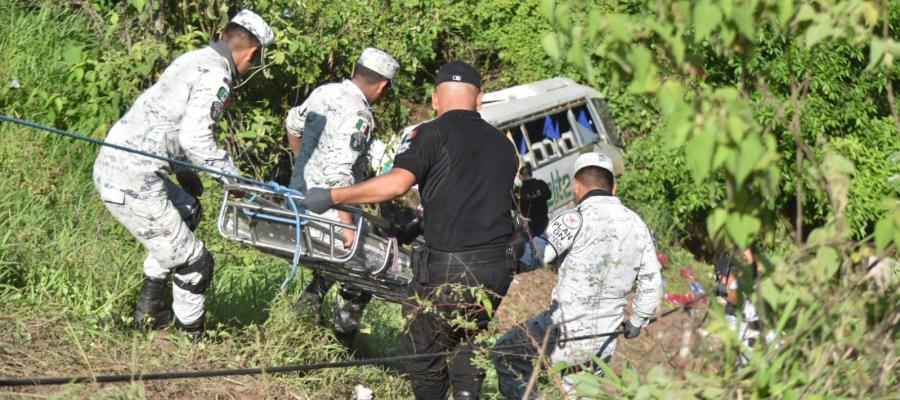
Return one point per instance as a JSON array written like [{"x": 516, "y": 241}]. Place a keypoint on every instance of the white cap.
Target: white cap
[
  {"x": 379, "y": 61},
  {"x": 252, "y": 22},
  {"x": 594, "y": 160}
]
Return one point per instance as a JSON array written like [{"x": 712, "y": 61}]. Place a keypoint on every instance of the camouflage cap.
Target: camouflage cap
[
  {"x": 252, "y": 22},
  {"x": 594, "y": 160},
  {"x": 379, "y": 61}
]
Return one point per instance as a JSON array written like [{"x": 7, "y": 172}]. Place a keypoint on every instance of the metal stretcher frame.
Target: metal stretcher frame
[{"x": 256, "y": 217}]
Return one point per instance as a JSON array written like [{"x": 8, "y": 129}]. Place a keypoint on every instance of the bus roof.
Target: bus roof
[{"x": 519, "y": 103}]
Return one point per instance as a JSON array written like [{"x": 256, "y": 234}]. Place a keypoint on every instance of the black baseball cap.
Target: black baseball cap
[{"x": 458, "y": 71}]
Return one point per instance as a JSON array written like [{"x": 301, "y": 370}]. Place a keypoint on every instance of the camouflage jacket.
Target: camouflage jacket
[
  {"x": 335, "y": 123},
  {"x": 607, "y": 249},
  {"x": 174, "y": 118}
]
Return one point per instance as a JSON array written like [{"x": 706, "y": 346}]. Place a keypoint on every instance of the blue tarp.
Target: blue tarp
[
  {"x": 551, "y": 128},
  {"x": 583, "y": 121}
]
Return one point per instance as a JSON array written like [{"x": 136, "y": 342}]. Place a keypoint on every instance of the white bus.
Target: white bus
[{"x": 551, "y": 122}]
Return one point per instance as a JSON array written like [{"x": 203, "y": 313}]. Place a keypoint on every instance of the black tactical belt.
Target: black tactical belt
[{"x": 491, "y": 254}]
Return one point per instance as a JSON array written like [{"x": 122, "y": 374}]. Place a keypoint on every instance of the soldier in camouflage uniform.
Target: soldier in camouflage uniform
[
  {"x": 175, "y": 118},
  {"x": 329, "y": 135},
  {"x": 607, "y": 248}
]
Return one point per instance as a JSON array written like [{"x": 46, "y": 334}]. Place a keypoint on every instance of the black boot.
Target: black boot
[
  {"x": 194, "y": 331},
  {"x": 464, "y": 395},
  {"x": 345, "y": 338},
  {"x": 151, "y": 311}
]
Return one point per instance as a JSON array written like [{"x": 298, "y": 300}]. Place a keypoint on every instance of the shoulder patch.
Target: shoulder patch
[
  {"x": 562, "y": 230},
  {"x": 407, "y": 141},
  {"x": 222, "y": 94},
  {"x": 215, "y": 112},
  {"x": 358, "y": 141}
]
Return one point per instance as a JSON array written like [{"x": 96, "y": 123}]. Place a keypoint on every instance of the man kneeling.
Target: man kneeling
[{"x": 607, "y": 248}]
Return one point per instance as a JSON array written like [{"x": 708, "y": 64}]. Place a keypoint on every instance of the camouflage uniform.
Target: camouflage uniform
[
  {"x": 612, "y": 250},
  {"x": 607, "y": 248},
  {"x": 336, "y": 123},
  {"x": 174, "y": 118}
]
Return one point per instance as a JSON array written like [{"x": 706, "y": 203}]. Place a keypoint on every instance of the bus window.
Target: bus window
[
  {"x": 602, "y": 112},
  {"x": 550, "y": 127},
  {"x": 516, "y": 136},
  {"x": 537, "y": 152},
  {"x": 583, "y": 117}
]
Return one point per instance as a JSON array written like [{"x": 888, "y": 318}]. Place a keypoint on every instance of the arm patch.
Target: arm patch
[{"x": 562, "y": 230}]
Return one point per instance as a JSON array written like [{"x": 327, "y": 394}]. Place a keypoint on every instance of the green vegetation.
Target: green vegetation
[{"x": 715, "y": 102}]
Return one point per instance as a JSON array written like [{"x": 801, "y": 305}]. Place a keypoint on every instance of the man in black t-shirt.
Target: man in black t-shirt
[
  {"x": 533, "y": 197},
  {"x": 465, "y": 170}
]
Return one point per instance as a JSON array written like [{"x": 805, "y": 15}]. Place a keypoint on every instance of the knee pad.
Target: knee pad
[{"x": 203, "y": 266}]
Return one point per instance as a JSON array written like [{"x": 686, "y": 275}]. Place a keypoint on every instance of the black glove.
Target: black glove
[
  {"x": 318, "y": 200},
  {"x": 190, "y": 182},
  {"x": 631, "y": 331}
]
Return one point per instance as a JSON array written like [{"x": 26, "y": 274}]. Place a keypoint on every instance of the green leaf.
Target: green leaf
[
  {"x": 749, "y": 153},
  {"x": 706, "y": 17},
  {"x": 785, "y": 12},
  {"x": 551, "y": 45},
  {"x": 788, "y": 311},
  {"x": 740, "y": 227},
  {"x": 817, "y": 33},
  {"x": 547, "y": 6},
  {"x": 806, "y": 13},
  {"x": 575, "y": 55},
  {"x": 697, "y": 154},
  {"x": 670, "y": 97},
  {"x": 727, "y": 7},
  {"x": 743, "y": 19},
  {"x": 643, "y": 70},
  {"x": 617, "y": 27},
  {"x": 72, "y": 54},
  {"x": 876, "y": 52},
  {"x": 139, "y": 5},
  {"x": 770, "y": 293},
  {"x": 828, "y": 260},
  {"x": 715, "y": 221},
  {"x": 884, "y": 232}
]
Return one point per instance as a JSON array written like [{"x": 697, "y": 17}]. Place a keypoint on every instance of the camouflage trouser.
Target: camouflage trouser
[
  {"x": 348, "y": 305},
  {"x": 158, "y": 217}
]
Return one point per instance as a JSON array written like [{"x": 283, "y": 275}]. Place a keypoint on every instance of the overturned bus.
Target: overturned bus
[{"x": 551, "y": 122}]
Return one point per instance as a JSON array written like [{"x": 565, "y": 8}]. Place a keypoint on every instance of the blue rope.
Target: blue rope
[
  {"x": 298, "y": 229},
  {"x": 275, "y": 187}
]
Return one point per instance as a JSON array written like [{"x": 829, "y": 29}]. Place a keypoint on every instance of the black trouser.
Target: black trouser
[{"x": 445, "y": 280}]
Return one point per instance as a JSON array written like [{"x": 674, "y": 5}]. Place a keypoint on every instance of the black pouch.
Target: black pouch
[{"x": 419, "y": 259}]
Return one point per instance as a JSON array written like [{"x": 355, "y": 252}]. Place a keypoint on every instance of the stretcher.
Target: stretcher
[{"x": 266, "y": 219}]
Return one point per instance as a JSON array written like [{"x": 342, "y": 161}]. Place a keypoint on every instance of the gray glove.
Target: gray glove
[
  {"x": 318, "y": 200},
  {"x": 631, "y": 331}
]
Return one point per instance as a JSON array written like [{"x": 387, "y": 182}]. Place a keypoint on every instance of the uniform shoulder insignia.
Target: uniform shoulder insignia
[
  {"x": 215, "y": 112},
  {"x": 358, "y": 141},
  {"x": 363, "y": 126},
  {"x": 563, "y": 229},
  {"x": 406, "y": 141},
  {"x": 222, "y": 94}
]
